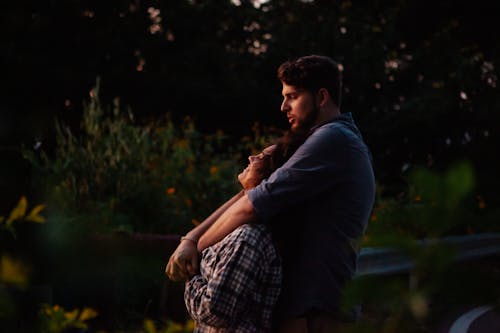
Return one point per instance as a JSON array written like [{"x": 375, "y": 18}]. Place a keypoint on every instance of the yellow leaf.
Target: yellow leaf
[
  {"x": 149, "y": 326},
  {"x": 71, "y": 315},
  {"x": 37, "y": 209},
  {"x": 174, "y": 327},
  {"x": 19, "y": 211},
  {"x": 190, "y": 326},
  {"x": 88, "y": 313},
  {"x": 13, "y": 272},
  {"x": 35, "y": 218},
  {"x": 1, "y": 219}
]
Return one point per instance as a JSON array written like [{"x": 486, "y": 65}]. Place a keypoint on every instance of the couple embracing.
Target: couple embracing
[{"x": 276, "y": 256}]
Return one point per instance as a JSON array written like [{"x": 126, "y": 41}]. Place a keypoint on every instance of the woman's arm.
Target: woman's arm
[{"x": 183, "y": 263}]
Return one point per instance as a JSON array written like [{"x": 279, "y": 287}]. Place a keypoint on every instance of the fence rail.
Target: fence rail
[{"x": 380, "y": 261}]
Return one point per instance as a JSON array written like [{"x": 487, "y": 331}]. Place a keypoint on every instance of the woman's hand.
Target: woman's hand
[{"x": 183, "y": 263}]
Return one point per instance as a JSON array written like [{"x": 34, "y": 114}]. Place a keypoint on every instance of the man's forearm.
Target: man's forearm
[
  {"x": 200, "y": 229},
  {"x": 239, "y": 213}
]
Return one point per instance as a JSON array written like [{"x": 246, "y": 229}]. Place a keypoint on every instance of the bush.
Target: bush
[
  {"x": 122, "y": 176},
  {"x": 436, "y": 205}
]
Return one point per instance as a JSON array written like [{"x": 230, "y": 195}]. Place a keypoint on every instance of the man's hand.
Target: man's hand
[{"x": 183, "y": 263}]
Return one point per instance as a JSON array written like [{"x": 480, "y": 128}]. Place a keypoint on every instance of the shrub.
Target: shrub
[{"x": 155, "y": 177}]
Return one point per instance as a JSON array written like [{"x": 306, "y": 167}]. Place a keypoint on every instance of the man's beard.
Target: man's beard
[{"x": 308, "y": 122}]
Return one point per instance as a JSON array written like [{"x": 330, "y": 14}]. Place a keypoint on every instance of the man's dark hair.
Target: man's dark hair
[{"x": 312, "y": 73}]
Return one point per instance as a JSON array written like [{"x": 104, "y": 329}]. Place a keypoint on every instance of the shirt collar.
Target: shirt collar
[{"x": 346, "y": 117}]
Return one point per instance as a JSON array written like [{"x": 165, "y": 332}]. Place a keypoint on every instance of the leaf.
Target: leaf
[
  {"x": 36, "y": 219},
  {"x": 71, "y": 315},
  {"x": 1, "y": 219},
  {"x": 13, "y": 272},
  {"x": 34, "y": 216},
  {"x": 190, "y": 325},
  {"x": 174, "y": 327},
  {"x": 87, "y": 313},
  {"x": 460, "y": 181},
  {"x": 19, "y": 211},
  {"x": 149, "y": 326},
  {"x": 37, "y": 209}
]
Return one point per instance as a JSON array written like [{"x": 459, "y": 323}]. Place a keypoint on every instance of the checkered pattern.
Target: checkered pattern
[{"x": 238, "y": 285}]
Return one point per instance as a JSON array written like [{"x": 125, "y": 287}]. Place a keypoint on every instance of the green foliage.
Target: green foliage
[
  {"x": 15, "y": 272},
  {"x": 262, "y": 136},
  {"x": 170, "y": 327},
  {"x": 434, "y": 206},
  {"x": 153, "y": 177},
  {"x": 412, "y": 224},
  {"x": 18, "y": 214},
  {"x": 55, "y": 319}
]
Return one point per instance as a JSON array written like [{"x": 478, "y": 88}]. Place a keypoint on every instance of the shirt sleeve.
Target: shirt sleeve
[
  {"x": 320, "y": 163},
  {"x": 218, "y": 299}
]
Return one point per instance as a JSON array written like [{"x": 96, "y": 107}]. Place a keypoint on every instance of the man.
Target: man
[{"x": 328, "y": 183}]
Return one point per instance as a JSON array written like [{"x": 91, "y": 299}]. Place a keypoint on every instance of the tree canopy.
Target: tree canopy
[{"x": 420, "y": 76}]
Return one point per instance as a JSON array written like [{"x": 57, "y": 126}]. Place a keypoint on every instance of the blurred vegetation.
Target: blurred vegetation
[
  {"x": 55, "y": 319},
  {"x": 111, "y": 178},
  {"x": 34, "y": 271},
  {"x": 436, "y": 205},
  {"x": 421, "y": 93},
  {"x": 118, "y": 175},
  {"x": 15, "y": 270},
  {"x": 19, "y": 214},
  {"x": 421, "y": 79}
]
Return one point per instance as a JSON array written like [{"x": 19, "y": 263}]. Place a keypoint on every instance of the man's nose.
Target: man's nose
[
  {"x": 285, "y": 107},
  {"x": 252, "y": 158}
]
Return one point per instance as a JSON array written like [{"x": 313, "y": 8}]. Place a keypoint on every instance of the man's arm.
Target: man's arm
[
  {"x": 183, "y": 263},
  {"x": 200, "y": 229},
  {"x": 239, "y": 213}
]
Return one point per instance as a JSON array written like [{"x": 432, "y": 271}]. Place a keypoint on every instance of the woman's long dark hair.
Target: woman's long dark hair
[{"x": 286, "y": 147}]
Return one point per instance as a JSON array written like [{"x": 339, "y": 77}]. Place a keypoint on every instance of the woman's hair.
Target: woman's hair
[{"x": 286, "y": 146}]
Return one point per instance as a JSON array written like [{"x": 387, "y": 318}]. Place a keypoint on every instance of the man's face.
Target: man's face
[{"x": 300, "y": 107}]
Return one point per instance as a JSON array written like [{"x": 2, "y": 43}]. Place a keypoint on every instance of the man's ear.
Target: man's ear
[{"x": 322, "y": 97}]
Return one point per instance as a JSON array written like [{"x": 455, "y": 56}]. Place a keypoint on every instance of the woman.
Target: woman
[{"x": 240, "y": 277}]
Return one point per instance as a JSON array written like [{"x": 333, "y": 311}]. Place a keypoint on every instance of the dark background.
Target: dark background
[
  {"x": 421, "y": 79},
  {"x": 420, "y": 76}
]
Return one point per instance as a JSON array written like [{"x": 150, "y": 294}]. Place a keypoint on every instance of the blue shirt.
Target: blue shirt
[{"x": 326, "y": 190}]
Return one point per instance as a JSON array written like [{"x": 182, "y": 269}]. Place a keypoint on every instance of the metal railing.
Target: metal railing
[{"x": 380, "y": 261}]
